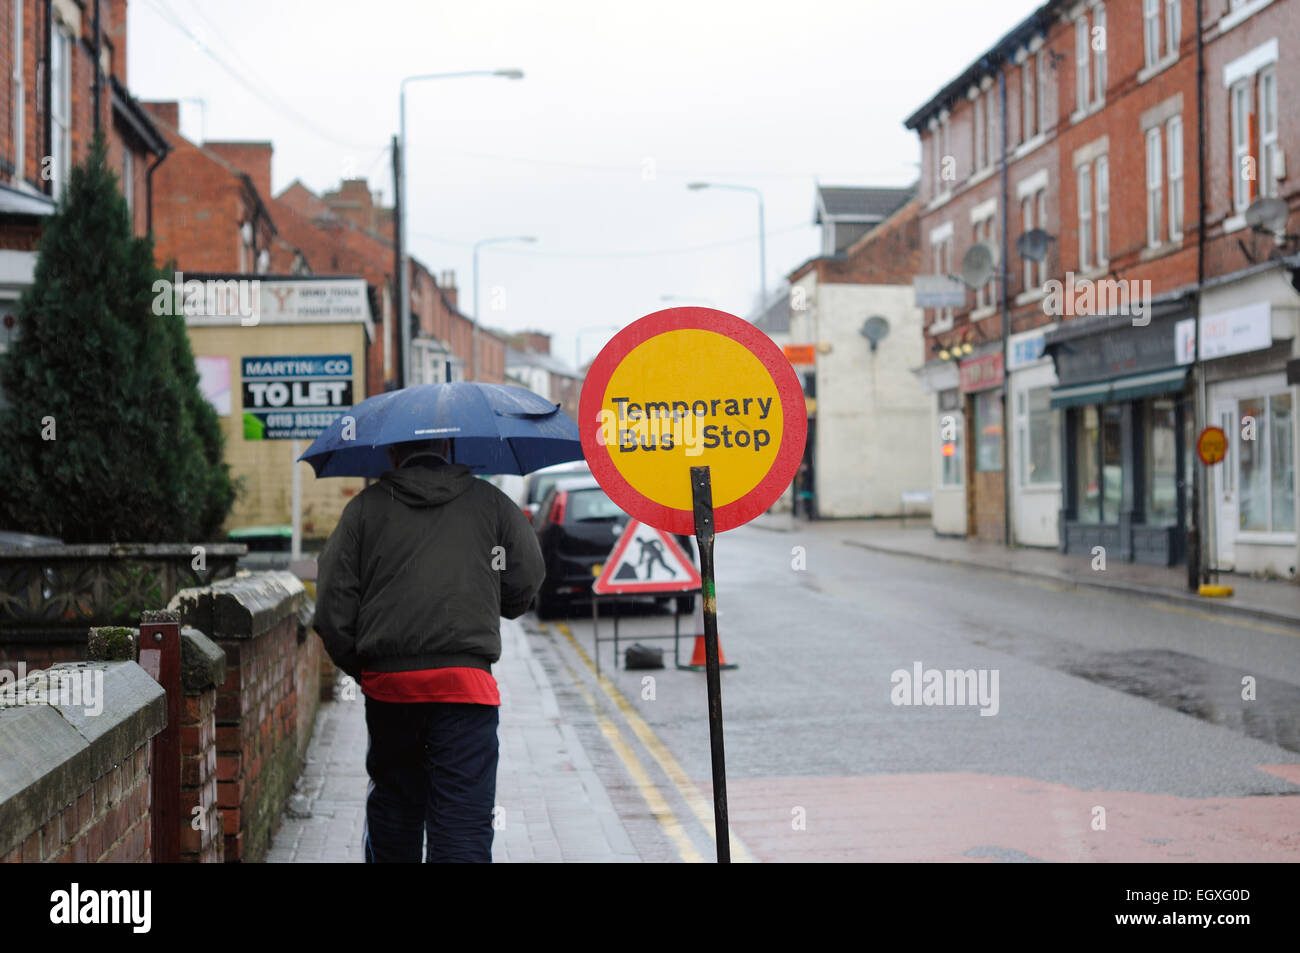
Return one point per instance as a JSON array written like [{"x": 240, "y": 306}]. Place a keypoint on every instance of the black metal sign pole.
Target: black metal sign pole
[{"x": 702, "y": 497}]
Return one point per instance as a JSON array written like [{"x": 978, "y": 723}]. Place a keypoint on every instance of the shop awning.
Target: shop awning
[{"x": 1121, "y": 388}]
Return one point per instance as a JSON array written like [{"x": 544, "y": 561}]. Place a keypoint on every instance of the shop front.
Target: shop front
[
  {"x": 981, "y": 382},
  {"x": 1035, "y": 441},
  {"x": 1248, "y": 332},
  {"x": 1126, "y": 435}
]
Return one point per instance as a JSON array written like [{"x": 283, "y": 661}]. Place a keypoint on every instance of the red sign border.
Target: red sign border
[
  {"x": 620, "y": 546},
  {"x": 793, "y": 412},
  {"x": 1201, "y": 436}
]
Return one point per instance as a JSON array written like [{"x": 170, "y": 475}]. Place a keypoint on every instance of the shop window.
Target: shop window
[
  {"x": 1040, "y": 454},
  {"x": 1112, "y": 462},
  {"x": 988, "y": 431},
  {"x": 1266, "y": 465},
  {"x": 1088, "y": 465},
  {"x": 951, "y": 469},
  {"x": 1162, "y": 462}
]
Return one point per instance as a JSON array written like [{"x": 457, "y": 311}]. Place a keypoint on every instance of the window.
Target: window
[
  {"x": 1087, "y": 465},
  {"x": 1174, "y": 147},
  {"x": 1040, "y": 444},
  {"x": 1268, "y": 133},
  {"x": 1099, "y": 43},
  {"x": 1040, "y": 73},
  {"x": 982, "y": 230},
  {"x": 939, "y": 141},
  {"x": 1151, "y": 30},
  {"x": 1155, "y": 187},
  {"x": 1173, "y": 28},
  {"x": 1162, "y": 462},
  {"x": 1033, "y": 214},
  {"x": 1243, "y": 122},
  {"x": 1266, "y": 466},
  {"x": 978, "y": 161},
  {"x": 1102, "y": 171},
  {"x": 1082, "y": 83},
  {"x": 951, "y": 468},
  {"x": 1085, "y": 217},
  {"x": 60, "y": 107},
  {"x": 992, "y": 137},
  {"x": 1099, "y": 463},
  {"x": 1028, "y": 109},
  {"x": 988, "y": 431},
  {"x": 941, "y": 249}
]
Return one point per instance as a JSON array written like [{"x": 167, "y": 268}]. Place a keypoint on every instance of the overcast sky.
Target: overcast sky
[{"x": 623, "y": 103}]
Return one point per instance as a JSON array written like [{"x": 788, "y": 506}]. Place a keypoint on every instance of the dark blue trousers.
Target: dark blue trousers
[{"x": 433, "y": 770}]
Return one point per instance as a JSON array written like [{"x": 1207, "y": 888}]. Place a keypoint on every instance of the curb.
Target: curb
[{"x": 1213, "y": 608}]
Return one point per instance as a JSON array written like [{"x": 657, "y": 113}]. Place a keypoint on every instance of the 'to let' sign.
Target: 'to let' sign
[{"x": 690, "y": 387}]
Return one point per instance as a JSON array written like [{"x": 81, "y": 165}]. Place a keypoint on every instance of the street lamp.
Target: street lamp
[
  {"x": 473, "y": 351},
  {"x": 762, "y": 234},
  {"x": 403, "y": 246}
]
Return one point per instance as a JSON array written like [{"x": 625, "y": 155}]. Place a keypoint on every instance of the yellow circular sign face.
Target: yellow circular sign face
[{"x": 687, "y": 398}]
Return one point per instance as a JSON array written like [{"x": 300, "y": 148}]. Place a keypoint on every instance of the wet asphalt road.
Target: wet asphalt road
[{"x": 1096, "y": 693}]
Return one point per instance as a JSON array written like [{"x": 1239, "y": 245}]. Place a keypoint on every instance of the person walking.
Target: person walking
[{"x": 411, "y": 588}]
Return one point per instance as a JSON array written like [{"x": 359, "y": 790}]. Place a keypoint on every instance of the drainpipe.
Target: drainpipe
[
  {"x": 47, "y": 91},
  {"x": 99, "y": 74},
  {"x": 148, "y": 190},
  {"x": 1197, "y": 525},
  {"x": 1006, "y": 325}
]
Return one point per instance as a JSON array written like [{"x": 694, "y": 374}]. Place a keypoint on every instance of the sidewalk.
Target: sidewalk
[
  {"x": 1275, "y": 601},
  {"x": 552, "y": 807}
]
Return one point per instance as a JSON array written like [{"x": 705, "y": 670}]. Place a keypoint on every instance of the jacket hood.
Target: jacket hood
[{"x": 428, "y": 486}]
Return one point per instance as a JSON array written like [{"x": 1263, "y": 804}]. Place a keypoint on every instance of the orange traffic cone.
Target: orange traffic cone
[{"x": 699, "y": 659}]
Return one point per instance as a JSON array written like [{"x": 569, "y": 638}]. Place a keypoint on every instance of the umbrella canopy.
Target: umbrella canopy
[{"x": 494, "y": 428}]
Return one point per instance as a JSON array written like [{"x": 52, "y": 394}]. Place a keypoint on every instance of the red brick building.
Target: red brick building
[
  {"x": 47, "y": 50},
  {"x": 1086, "y": 121}
]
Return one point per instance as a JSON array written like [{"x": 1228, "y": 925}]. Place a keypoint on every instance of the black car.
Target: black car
[{"x": 577, "y": 526}]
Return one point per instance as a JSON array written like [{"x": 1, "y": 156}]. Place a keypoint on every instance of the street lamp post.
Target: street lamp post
[
  {"x": 403, "y": 280},
  {"x": 762, "y": 232},
  {"x": 473, "y": 348}
]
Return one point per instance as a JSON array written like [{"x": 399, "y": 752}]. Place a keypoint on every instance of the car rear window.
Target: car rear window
[
  {"x": 544, "y": 481},
  {"x": 590, "y": 504}
]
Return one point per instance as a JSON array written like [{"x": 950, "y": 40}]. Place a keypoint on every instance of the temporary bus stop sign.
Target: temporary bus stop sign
[
  {"x": 693, "y": 421},
  {"x": 1212, "y": 445},
  {"x": 692, "y": 387}
]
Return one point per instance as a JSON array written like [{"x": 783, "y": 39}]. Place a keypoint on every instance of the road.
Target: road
[{"x": 1116, "y": 729}]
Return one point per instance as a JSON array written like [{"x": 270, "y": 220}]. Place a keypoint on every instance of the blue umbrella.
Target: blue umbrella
[{"x": 494, "y": 428}]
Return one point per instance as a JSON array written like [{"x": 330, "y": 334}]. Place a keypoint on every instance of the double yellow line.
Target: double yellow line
[{"x": 700, "y": 806}]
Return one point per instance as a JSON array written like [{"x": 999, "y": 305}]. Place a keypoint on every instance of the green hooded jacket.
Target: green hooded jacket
[{"x": 421, "y": 568}]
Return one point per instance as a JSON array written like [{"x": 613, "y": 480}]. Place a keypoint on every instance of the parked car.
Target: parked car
[
  {"x": 577, "y": 526},
  {"x": 539, "y": 482}
]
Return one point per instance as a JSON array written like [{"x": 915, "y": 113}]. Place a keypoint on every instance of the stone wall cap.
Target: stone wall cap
[{"x": 54, "y": 752}]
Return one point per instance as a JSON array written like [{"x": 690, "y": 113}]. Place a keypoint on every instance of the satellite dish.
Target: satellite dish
[
  {"x": 1268, "y": 215},
  {"x": 1032, "y": 245},
  {"x": 875, "y": 329},
  {"x": 978, "y": 264}
]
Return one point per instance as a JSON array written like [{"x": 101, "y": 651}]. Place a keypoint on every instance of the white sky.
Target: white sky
[{"x": 768, "y": 94}]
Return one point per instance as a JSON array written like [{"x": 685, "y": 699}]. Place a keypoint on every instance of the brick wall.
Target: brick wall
[
  {"x": 203, "y": 668},
  {"x": 77, "y": 786},
  {"x": 266, "y": 704}
]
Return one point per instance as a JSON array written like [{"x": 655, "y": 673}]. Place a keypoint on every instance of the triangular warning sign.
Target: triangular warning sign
[{"x": 646, "y": 560}]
